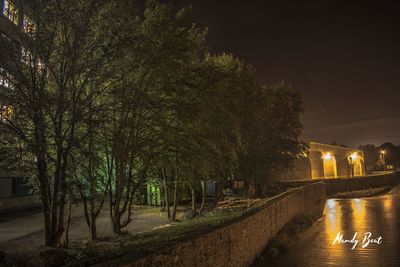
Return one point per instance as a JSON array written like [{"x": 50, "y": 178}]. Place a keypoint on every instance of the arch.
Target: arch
[
  {"x": 330, "y": 167},
  {"x": 343, "y": 167},
  {"x": 358, "y": 168},
  {"x": 317, "y": 166}
]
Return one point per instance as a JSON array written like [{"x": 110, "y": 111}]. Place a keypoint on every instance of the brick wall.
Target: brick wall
[{"x": 239, "y": 244}]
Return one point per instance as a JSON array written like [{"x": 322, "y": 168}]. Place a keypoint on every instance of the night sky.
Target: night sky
[{"x": 343, "y": 55}]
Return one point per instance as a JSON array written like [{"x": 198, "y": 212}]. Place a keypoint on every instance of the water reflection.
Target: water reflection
[{"x": 378, "y": 215}]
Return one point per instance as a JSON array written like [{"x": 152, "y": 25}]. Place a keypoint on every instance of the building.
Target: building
[
  {"x": 327, "y": 161},
  {"x": 15, "y": 25}
]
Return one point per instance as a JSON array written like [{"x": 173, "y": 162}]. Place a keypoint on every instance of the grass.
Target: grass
[
  {"x": 364, "y": 193},
  {"x": 141, "y": 244}
]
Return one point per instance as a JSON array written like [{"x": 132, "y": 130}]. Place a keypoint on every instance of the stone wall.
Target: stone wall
[{"x": 240, "y": 243}]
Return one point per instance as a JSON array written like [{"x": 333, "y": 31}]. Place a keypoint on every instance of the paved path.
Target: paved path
[
  {"x": 378, "y": 215},
  {"x": 144, "y": 219}
]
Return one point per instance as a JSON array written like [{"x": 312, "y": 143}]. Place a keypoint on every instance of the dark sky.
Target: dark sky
[{"x": 344, "y": 56}]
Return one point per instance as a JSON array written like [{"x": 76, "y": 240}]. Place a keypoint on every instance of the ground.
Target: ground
[
  {"x": 22, "y": 237},
  {"x": 29, "y": 228}
]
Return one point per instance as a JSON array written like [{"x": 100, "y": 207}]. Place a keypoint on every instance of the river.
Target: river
[{"x": 379, "y": 215}]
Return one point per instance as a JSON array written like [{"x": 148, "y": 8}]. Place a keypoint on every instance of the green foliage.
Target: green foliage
[{"x": 123, "y": 96}]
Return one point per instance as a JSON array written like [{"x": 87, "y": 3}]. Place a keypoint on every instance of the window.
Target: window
[
  {"x": 5, "y": 112},
  {"x": 28, "y": 59},
  {"x": 10, "y": 11},
  {"x": 26, "y": 56},
  {"x": 5, "y": 79},
  {"x": 29, "y": 26},
  {"x": 40, "y": 65}
]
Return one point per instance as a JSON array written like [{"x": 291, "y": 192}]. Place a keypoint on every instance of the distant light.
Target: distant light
[
  {"x": 354, "y": 156},
  {"x": 383, "y": 151},
  {"x": 327, "y": 156}
]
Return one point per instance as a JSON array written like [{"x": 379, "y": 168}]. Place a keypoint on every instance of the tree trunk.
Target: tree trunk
[
  {"x": 45, "y": 197},
  {"x": 203, "y": 195},
  {"x": 166, "y": 194},
  {"x": 193, "y": 194},
  {"x": 68, "y": 224},
  {"x": 116, "y": 225},
  {"x": 175, "y": 197},
  {"x": 119, "y": 183},
  {"x": 93, "y": 228},
  {"x": 220, "y": 191}
]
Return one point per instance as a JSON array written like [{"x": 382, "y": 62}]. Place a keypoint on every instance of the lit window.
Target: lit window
[
  {"x": 10, "y": 11},
  {"x": 5, "y": 79},
  {"x": 29, "y": 26},
  {"x": 28, "y": 59},
  {"x": 5, "y": 112},
  {"x": 40, "y": 65},
  {"x": 26, "y": 56}
]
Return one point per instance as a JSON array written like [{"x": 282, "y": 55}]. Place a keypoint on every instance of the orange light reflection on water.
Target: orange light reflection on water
[{"x": 333, "y": 222}]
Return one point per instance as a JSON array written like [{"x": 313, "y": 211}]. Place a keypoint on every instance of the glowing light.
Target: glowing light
[
  {"x": 331, "y": 203},
  {"x": 354, "y": 156},
  {"x": 383, "y": 151},
  {"x": 327, "y": 156}
]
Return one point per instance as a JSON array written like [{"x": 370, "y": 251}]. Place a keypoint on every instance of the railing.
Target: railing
[{"x": 265, "y": 202}]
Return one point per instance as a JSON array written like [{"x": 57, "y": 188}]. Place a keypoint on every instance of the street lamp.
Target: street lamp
[
  {"x": 383, "y": 159},
  {"x": 327, "y": 156}
]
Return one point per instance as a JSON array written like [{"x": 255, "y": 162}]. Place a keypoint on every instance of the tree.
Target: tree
[
  {"x": 371, "y": 156},
  {"x": 109, "y": 97},
  {"x": 157, "y": 53},
  {"x": 392, "y": 154},
  {"x": 273, "y": 134},
  {"x": 51, "y": 95}
]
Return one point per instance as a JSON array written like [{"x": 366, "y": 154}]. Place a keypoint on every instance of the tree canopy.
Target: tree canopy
[{"x": 110, "y": 96}]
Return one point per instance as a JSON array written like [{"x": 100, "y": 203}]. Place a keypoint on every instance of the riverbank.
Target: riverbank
[{"x": 370, "y": 192}]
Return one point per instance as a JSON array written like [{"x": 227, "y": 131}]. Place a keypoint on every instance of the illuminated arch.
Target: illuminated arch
[
  {"x": 317, "y": 166},
  {"x": 330, "y": 167},
  {"x": 358, "y": 168}
]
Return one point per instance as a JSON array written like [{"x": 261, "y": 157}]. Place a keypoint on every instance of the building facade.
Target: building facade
[{"x": 15, "y": 26}]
